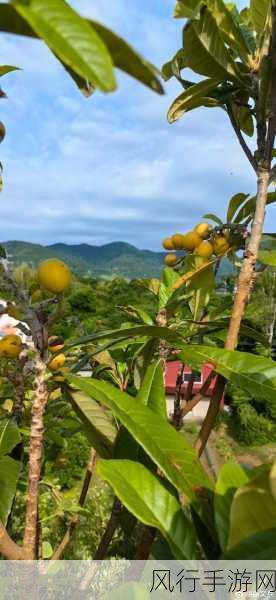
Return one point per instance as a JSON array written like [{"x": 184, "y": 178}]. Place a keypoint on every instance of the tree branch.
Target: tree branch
[
  {"x": 8, "y": 547},
  {"x": 144, "y": 547},
  {"x": 35, "y": 458},
  {"x": 84, "y": 491},
  {"x": 241, "y": 139},
  {"x": 271, "y": 130}
]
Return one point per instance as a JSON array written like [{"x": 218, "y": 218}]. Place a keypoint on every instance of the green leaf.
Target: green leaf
[
  {"x": 127, "y": 59},
  {"x": 249, "y": 207},
  {"x": 187, "y": 9},
  {"x": 191, "y": 98},
  {"x": 213, "y": 217},
  {"x": 97, "y": 425},
  {"x": 260, "y": 11},
  {"x": 47, "y": 550},
  {"x": 230, "y": 477},
  {"x": 123, "y": 55},
  {"x": 71, "y": 38},
  {"x": 209, "y": 36},
  {"x": 9, "y": 437},
  {"x": 4, "y": 69},
  {"x": 255, "y": 374},
  {"x": 149, "y": 501},
  {"x": 259, "y": 546},
  {"x": 253, "y": 509},
  {"x": 166, "y": 288},
  {"x": 235, "y": 203},
  {"x": 9, "y": 474},
  {"x": 196, "y": 57},
  {"x": 152, "y": 391},
  {"x": 201, "y": 286},
  {"x": 229, "y": 25},
  {"x": 151, "y": 331},
  {"x": 165, "y": 446},
  {"x": 139, "y": 313}
]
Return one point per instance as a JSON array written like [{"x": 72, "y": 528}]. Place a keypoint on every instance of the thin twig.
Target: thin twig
[
  {"x": 241, "y": 139},
  {"x": 144, "y": 547},
  {"x": 210, "y": 419},
  {"x": 84, "y": 491}
]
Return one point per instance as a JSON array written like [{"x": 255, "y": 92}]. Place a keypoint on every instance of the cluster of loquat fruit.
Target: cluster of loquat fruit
[
  {"x": 55, "y": 277},
  {"x": 204, "y": 241}
]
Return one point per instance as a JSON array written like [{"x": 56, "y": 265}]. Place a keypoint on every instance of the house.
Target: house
[
  {"x": 9, "y": 326},
  {"x": 172, "y": 373}
]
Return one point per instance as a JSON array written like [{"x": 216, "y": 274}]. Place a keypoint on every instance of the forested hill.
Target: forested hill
[
  {"x": 117, "y": 258},
  {"x": 114, "y": 259}
]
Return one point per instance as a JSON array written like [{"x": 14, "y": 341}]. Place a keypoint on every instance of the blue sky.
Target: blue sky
[{"x": 110, "y": 167}]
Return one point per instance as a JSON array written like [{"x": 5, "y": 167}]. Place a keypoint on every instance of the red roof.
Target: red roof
[{"x": 174, "y": 368}]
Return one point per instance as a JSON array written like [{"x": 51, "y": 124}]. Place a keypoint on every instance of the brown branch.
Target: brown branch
[
  {"x": 177, "y": 416},
  {"x": 241, "y": 139},
  {"x": 241, "y": 298},
  {"x": 110, "y": 529},
  {"x": 101, "y": 551},
  {"x": 84, "y": 491},
  {"x": 248, "y": 266},
  {"x": 196, "y": 399},
  {"x": 35, "y": 458},
  {"x": 8, "y": 547},
  {"x": 144, "y": 547},
  {"x": 211, "y": 416}
]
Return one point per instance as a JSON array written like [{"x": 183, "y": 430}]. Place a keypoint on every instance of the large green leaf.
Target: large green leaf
[
  {"x": 9, "y": 437},
  {"x": 166, "y": 447},
  {"x": 152, "y": 391},
  {"x": 144, "y": 495},
  {"x": 166, "y": 288},
  {"x": 9, "y": 468},
  {"x": 97, "y": 424},
  {"x": 255, "y": 374},
  {"x": 260, "y": 10},
  {"x": 9, "y": 474},
  {"x": 127, "y": 59},
  {"x": 191, "y": 98},
  {"x": 196, "y": 57},
  {"x": 71, "y": 38},
  {"x": 229, "y": 27},
  {"x": 259, "y": 546},
  {"x": 210, "y": 38},
  {"x": 187, "y": 9},
  {"x": 151, "y": 331},
  {"x": 230, "y": 477},
  {"x": 235, "y": 203},
  {"x": 123, "y": 55},
  {"x": 253, "y": 509},
  {"x": 201, "y": 286}
]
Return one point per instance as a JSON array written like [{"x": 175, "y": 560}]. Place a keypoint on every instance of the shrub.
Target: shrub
[{"x": 252, "y": 421}]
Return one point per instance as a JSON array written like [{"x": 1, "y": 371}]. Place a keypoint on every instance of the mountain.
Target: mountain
[{"x": 115, "y": 259}]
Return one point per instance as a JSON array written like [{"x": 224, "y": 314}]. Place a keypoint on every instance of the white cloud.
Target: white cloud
[{"x": 110, "y": 167}]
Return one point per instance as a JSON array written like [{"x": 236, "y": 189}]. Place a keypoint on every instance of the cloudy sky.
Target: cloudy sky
[{"x": 110, "y": 167}]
